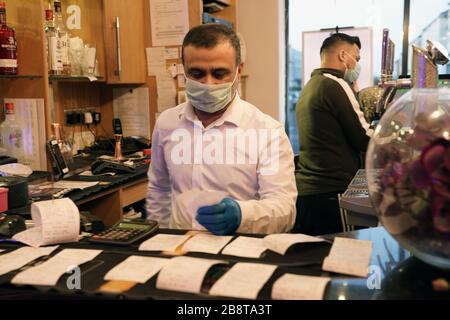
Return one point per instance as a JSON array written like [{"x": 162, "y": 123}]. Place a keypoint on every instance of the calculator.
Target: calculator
[{"x": 126, "y": 232}]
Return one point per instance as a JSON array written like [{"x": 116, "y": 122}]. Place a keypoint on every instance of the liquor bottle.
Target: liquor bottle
[
  {"x": 53, "y": 44},
  {"x": 11, "y": 132},
  {"x": 64, "y": 145},
  {"x": 8, "y": 45},
  {"x": 64, "y": 37}
]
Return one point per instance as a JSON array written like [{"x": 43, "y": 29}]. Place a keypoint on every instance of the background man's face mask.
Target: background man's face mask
[
  {"x": 209, "y": 98},
  {"x": 351, "y": 75}
]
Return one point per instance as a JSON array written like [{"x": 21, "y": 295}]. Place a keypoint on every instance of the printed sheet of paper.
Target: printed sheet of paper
[
  {"x": 56, "y": 221},
  {"x": 298, "y": 287},
  {"x": 180, "y": 69},
  {"x": 243, "y": 280},
  {"x": 184, "y": 274},
  {"x": 18, "y": 258},
  {"x": 181, "y": 81},
  {"x": 48, "y": 273},
  {"x": 163, "y": 242},
  {"x": 280, "y": 243},
  {"x": 167, "y": 91},
  {"x": 349, "y": 256},
  {"x": 136, "y": 269},
  {"x": 171, "y": 53},
  {"x": 131, "y": 107},
  {"x": 189, "y": 202},
  {"x": 169, "y": 22},
  {"x": 247, "y": 247},
  {"x": 68, "y": 184},
  {"x": 206, "y": 243},
  {"x": 156, "y": 62}
]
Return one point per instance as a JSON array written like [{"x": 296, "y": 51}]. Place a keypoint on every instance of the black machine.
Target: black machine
[
  {"x": 59, "y": 164},
  {"x": 10, "y": 225},
  {"x": 126, "y": 232},
  {"x": 106, "y": 166}
]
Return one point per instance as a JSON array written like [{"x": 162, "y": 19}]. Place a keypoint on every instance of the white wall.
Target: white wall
[{"x": 261, "y": 23}]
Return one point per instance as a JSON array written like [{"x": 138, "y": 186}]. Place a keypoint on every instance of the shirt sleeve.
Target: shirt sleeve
[
  {"x": 350, "y": 116},
  {"x": 158, "y": 202},
  {"x": 274, "y": 211}
]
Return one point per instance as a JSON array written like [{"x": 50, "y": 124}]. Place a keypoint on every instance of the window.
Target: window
[
  {"x": 306, "y": 15},
  {"x": 430, "y": 20}
]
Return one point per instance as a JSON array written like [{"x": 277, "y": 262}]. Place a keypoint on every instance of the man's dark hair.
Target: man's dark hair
[
  {"x": 210, "y": 35},
  {"x": 335, "y": 38}
]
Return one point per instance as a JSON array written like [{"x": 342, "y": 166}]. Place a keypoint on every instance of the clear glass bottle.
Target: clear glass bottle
[
  {"x": 11, "y": 133},
  {"x": 8, "y": 45},
  {"x": 64, "y": 36},
  {"x": 64, "y": 145},
  {"x": 52, "y": 44}
]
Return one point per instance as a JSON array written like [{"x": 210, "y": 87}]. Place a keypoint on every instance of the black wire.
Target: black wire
[{"x": 89, "y": 127}]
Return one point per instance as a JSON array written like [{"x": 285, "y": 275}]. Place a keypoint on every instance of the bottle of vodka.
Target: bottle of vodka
[
  {"x": 63, "y": 35},
  {"x": 11, "y": 133},
  {"x": 52, "y": 44}
]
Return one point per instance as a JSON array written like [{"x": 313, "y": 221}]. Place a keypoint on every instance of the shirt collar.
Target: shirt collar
[
  {"x": 334, "y": 72},
  {"x": 233, "y": 114}
]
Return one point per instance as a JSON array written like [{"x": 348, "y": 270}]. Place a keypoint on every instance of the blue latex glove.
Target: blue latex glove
[{"x": 222, "y": 218}]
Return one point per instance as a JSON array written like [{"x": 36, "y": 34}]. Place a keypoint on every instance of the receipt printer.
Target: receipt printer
[{"x": 17, "y": 191}]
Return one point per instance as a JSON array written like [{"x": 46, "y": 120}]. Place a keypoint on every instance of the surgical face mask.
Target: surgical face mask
[
  {"x": 209, "y": 98},
  {"x": 351, "y": 75}
]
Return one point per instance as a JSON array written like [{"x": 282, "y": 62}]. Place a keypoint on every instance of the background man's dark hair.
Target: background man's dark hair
[
  {"x": 210, "y": 35},
  {"x": 336, "y": 38}
]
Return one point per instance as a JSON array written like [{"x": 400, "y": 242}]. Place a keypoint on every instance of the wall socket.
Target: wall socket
[{"x": 77, "y": 116}]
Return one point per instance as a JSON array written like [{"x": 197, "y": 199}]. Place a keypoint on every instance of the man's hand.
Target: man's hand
[{"x": 222, "y": 218}]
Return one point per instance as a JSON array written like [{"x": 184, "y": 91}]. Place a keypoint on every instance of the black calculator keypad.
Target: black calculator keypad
[{"x": 124, "y": 236}]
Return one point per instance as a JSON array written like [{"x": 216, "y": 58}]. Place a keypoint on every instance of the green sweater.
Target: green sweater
[{"x": 331, "y": 134}]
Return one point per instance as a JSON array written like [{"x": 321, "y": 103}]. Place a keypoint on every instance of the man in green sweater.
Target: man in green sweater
[{"x": 332, "y": 133}]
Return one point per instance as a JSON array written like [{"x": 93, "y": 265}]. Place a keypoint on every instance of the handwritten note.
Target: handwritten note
[
  {"x": 243, "y": 280},
  {"x": 280, "y": 243},
  {"x": 167, "y": 91},
  {"x": 48, "y": 273},
  {"x": 136, "y": 269},
  {"x": 156, "y": 63},
  {"x": 184, "y": 274},
  {"x": 56, "y": 221},
  {"x": 349, "y": 256},
  {"x": 163, "y": 242},
  {"x": 245, "y": 247},
  {"x": 187, "y": 204},
  {"x": 18, "y": 258},
  {"x": 206, "y": 243},
  {"x": 298, "y": 287}
]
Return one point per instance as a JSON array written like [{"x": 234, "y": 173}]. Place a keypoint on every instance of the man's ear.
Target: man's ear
[
  {"x": 341, "y": 55},
  {"x": 240, "y": 68}
]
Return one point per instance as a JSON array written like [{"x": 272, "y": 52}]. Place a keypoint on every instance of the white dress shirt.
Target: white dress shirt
[{"x": 258, "y": 174}]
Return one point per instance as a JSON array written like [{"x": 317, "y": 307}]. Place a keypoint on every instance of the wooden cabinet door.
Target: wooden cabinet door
[{"x": 124, "y": 41}]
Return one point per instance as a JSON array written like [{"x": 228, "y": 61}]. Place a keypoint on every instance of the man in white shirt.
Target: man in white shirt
[{"x": 216, "y": 142}]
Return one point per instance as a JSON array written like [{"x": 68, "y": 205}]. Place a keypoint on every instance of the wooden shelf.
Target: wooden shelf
[
  {"x": 73, "y": 78},
  {"x": 20, "y": 76}
]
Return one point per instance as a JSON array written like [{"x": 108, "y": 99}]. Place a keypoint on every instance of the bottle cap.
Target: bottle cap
[
  {"x": 9, "y": 107},
  {"x": 2, "y": 5},
  {"x": 57, "y": 5},
  {"x": 48, "y": 14}
]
